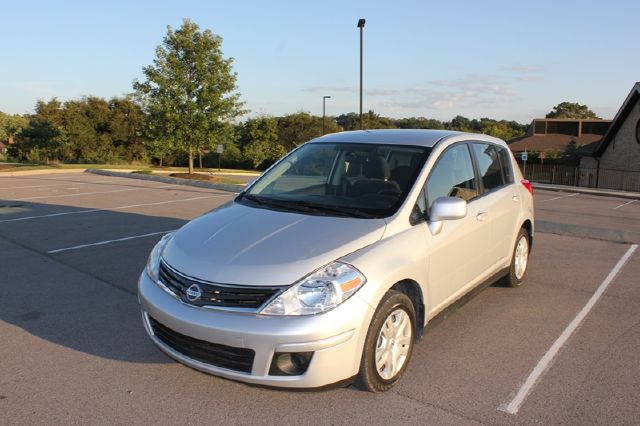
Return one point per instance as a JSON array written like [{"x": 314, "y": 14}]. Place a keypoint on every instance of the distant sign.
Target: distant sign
[
  {"x": 220, "y": 149},
  {"x": 524, "y": 156}
]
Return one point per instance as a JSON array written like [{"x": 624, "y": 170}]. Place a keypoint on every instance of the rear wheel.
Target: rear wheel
[
  {"x": 519, "y": 260},
  {"x": 389, "y": 343}
]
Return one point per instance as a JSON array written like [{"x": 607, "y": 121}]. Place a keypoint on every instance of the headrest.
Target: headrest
[{"x": 377, "y": 168}]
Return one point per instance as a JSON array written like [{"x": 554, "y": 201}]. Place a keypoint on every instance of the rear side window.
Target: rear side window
[
  {"x": 489, "y": 166},
  {"x": 505, "y": 159},
  {"x": 452, "y": 176}
]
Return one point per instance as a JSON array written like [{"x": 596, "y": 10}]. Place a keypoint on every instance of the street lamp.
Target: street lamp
[
  {"x": 361, "y": 22},
  {"x": 324, "y": 98}
]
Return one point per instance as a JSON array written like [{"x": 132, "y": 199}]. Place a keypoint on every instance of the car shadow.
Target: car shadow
[{"x": 79, "y": 298}]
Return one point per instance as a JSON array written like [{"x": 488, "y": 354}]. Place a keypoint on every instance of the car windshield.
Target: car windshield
[{"x": 340, "y": 179}]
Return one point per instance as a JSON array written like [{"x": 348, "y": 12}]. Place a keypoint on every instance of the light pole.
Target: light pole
[
  {"x": 324, "y": 98},
  {"x": 361, "y": 22}
]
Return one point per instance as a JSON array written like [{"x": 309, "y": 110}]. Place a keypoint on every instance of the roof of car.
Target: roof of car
[{"x": 420, "y": 137}]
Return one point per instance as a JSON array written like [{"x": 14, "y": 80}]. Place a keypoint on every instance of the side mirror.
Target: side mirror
[{"x": 446, "y": 208}]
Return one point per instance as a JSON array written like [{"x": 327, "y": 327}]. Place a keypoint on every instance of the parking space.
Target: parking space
[
  {"x": 591, "y": 211},
  {"x": 74, "y": 350}
]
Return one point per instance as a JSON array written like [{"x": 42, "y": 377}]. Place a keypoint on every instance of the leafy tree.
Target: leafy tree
[
  {"x": 259, "y": 139},
  {"x": 550, "y": 154},
  {"x": 126, "y": 128},
  {"x": 296, "y": 129},
  {"x": 190, "y": 90},
  {"x": 370, "y": 120},
  {"x": 572, "y": 154},
  {"x": 418, "y": 123},
  {"x": 10, "y": 126},
  {"x": 43, "y": 136},
  {"x": 571, "y": 110},
  {"x": 460, "y": 123}
]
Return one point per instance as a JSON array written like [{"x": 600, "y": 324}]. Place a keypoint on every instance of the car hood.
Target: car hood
[{"x": 237, "y": 244}]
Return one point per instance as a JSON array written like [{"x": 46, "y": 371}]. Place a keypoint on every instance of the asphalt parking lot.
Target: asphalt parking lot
[{"x": 74, "y": 351}]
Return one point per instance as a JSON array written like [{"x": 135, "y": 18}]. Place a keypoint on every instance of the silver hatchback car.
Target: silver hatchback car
[{"x": 327, "y": 268}]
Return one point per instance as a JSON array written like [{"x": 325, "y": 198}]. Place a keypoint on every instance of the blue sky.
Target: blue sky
[{"x": 500, "y": 59}]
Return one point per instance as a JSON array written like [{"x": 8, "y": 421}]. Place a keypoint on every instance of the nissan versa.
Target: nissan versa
[{"x": 327, "y": 268}]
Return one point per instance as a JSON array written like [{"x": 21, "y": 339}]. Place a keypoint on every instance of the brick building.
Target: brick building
[{"x": 616, "y": 159}]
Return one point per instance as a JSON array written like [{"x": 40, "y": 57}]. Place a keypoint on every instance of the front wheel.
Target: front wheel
[
  {"x": 519, "y": 260},
  {"x": 389, "y": 343}
]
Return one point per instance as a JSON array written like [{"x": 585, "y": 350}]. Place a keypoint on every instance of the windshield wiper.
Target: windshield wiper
[
  {"x": 306, "y": 206},
  {"x": 343, "y": 211},
  {"x": 254, "y": 198}
]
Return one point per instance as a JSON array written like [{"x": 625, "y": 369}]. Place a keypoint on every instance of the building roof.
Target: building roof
[
  {"x": 557, "y": 141},
  {"x": 620, "y": 117}
]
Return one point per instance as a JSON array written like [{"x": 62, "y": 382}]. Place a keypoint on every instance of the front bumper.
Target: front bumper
[{"x": 336, "y": 338}]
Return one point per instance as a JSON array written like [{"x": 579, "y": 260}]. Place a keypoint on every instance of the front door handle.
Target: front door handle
[{"x": 480, "y": 216}]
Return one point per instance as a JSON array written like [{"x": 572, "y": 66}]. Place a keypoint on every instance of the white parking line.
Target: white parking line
[
  {"x": 545, "y": 362},
  {"x": 18, "y": 219},
  {"x": 625, "y": 204},
  {"x": 94, "y": 193},
  {"x": 101, "y": 243},
  {"x": 557, "y": 198}
]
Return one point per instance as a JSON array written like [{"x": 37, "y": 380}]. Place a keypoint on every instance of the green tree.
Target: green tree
[
  {"x": 505, "y": 130},
  {"x": 190, "y": 90},
  {"x": 370, "y": 120},
  {"x": 11, "y": 125},
  {"x": 296, "y": 129},
  {"x": 418, "y": 123},
  {"x": 126, "y": 128},
  {"x": 44, "y": 135},
  {"x": 572, "y": 154},
  {"x": 571, "y": 110},
  {"x": 259, "y": 141}
]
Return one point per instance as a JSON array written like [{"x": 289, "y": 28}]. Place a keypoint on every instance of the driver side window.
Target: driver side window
[{"x": 452, "y": 176}]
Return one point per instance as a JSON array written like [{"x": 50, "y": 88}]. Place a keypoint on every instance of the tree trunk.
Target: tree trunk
[
  {"x": 190, "y": 160},
  {"x": 160, "y": 161},
  {"x": 200, "y": 157}
]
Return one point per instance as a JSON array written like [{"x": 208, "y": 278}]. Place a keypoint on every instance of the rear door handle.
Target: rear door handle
[
  {"x": 480, "y": 216},
  {"x": 515, "y": 197}
]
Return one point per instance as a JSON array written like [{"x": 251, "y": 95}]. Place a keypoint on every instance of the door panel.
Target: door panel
[{"x": 458, "y": 254}]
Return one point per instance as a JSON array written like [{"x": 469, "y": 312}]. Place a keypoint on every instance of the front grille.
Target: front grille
[
  {"x": 211, "y": 294},
  {"x": 238, "y": 359}
]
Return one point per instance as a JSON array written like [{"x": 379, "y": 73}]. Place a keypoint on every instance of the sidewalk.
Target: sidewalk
[{"x": 590, "y": 191}]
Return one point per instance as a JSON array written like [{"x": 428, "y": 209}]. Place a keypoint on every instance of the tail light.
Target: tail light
[{"x": 527, "y": 185}]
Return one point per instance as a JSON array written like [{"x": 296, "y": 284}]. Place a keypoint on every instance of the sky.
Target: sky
[{"x": 510, "y": 60}]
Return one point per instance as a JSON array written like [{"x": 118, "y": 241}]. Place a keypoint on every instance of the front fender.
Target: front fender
[{"x": 396, "y": 258}]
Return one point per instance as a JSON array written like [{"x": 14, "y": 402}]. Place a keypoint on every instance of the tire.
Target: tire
[
  {"x": 395, "y": 307},
  {"x": 517, "y": 271}
]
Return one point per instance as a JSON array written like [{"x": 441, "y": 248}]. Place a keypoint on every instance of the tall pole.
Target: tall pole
[
  {"x": 361, "y": 22},
  {"x": 324, "y": 98}
]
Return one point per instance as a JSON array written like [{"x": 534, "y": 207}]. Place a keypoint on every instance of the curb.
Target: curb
[
  {"x": 166, "y": 179},
  {"x": 570, "y": 230},
  {"x": 40, "y": 172},
  {"x": 590, "y": 191}
]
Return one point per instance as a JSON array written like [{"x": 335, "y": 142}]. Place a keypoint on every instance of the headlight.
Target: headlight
[
  {"x": 153, "y": 263},
  {"x": 321, "y": 291}
]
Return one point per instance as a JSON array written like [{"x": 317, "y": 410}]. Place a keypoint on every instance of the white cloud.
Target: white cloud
[{"x": 351, "y": 89}]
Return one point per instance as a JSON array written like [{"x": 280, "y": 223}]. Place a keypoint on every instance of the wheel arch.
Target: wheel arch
[
  {"x": 413, "y": 290},
  {"x": 529, "y": 227}
]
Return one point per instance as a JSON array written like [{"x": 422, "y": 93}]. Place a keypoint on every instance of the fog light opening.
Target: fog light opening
[{"x": 290, "y": 363}]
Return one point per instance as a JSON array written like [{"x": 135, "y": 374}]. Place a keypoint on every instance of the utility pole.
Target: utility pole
[{"x": 361, "y": 22}]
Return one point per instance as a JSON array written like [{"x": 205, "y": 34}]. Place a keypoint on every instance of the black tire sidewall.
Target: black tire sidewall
[{"x": 369, "y": 377}]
